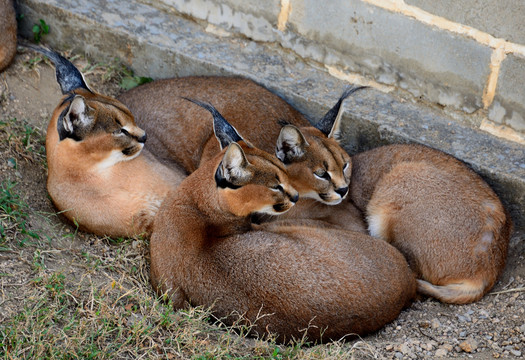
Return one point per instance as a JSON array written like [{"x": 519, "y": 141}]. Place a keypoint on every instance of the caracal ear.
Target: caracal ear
[
  {"x": 68, "y": 76},
  {"x": 291, "y": 144},
  {"x": 76, "y": 120},
  {"x": 331, "y": 122},
  {"x": 224, "y": 131},
  {"x": 233, "y": 170}
]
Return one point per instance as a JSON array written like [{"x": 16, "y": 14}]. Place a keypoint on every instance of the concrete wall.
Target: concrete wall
[{"x": 466, "y": 56}]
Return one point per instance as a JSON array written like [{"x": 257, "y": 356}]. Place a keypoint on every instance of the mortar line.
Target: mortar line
[
  {"x": 284, "y": 14},
  {"x": 357, "y": 79},
  {"x": 496, "y": 58},
  {"x": 425, "y": 17}
]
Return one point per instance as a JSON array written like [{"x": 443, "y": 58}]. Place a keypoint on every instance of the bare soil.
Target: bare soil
[{"x": 493, "y": 327}]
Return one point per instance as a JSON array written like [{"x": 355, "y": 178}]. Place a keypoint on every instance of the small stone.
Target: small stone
[
  {"x": 516, "y": 353},
  {"x": 464, "y": 318},
  {"x": 522, "y": 329},
  {"x": 447, "y": 347},
  {"x": 424, "y": 324},
  {"x": 435, "y": 323},
  {"x": 389, "y": 347},
  {"x": 398, "y": 355},
  {"x": 469, "y": 345},
  {"x": 441, "y": 352},
  {"x": 404, "y": 349}
]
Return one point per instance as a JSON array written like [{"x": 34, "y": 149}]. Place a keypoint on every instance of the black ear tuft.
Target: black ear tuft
[
  {"x": 75, "y": 120},
  {"x": 328, "y": 123},
  {"x": 233, "y": 171},
  {"x": 224, "y": 131},
  {"x": 221, "y": 180},
  {"x": 291, "y": 144},
  {"x": 68, "y": 76}
]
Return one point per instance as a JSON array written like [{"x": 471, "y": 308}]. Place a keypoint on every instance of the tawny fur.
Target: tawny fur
[
  {"x": 283, "y": 277},
  {"x": 7, "y": 33},
  {"x": 89, "y": 188},
  {"x": 442, "y": 216},
  {"x": 181, "y": 133}
]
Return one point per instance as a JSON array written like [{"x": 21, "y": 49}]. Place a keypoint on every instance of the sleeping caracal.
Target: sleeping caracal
[
  {"x": 286, "y": 277},
  {"x": 441, "y": 215},
  {"x": 461, "y": 252},
  {"x": 181, "y": 133},
  {"x": 99, "y": 176},
  {"x": 449, "y": 223}
]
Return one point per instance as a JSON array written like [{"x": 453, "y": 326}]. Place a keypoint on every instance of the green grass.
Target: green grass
[
  {"x": 24, "y": 141},
  {"x": 13, "y": 216}
]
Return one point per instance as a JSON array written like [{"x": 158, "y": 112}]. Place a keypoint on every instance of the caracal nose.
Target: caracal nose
[
  {"x": 342, "y": 191},
  {"x": 143, "y": 138}
]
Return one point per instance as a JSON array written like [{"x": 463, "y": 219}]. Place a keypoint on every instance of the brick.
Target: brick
[
  {"x": 253, "y": 18},
  {"x": 502, "y": 18},
  {"x": 394, "y": 49},
  {"x": 508, "y": 107}
]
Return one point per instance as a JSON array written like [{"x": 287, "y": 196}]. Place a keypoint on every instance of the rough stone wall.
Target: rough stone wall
[{"x": 466, "y": 56}]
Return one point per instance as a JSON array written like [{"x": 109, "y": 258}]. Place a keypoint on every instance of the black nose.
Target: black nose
[
  {"x": 294, "y": 198},
  {"x": 143, "y": 138},
  {"x": 342, "y": 191}
]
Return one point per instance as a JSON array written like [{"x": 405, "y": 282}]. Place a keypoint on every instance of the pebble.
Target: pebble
[
  {"x": 429, "y": 346},
  {"x": 441, "y": 352},
  {"x": 447, "y": 347},
  {"x": 404, "y": 349},
  {"x": 435, "y": 323},
  {"x": 464, "y": 318},
  {"x": 516, "y": 353},
  {"x": 469, "y": 345}
]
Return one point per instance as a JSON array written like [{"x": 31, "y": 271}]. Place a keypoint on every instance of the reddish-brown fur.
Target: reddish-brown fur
[
  {"x": 442, "y": 216},
  {"x": 93, "y": 183},
  {"x": 181, "y": 132},
  {"x": 7, "y": 33},
  {"x": 283, "y": 277}
]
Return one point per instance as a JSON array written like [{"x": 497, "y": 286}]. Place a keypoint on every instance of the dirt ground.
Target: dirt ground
[{"x": 493, "y": 327}]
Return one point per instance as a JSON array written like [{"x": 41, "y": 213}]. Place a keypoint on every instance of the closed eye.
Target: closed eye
[
  {"x": 121, "y": 131},
  {"x": 277, "y": 187},
  {"x": 346, "y": 166},
  {"x": 322, "y": 175}
]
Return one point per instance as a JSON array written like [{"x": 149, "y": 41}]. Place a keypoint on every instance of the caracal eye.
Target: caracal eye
[
  {"x": 345, "y": 167},
  {"x": 322, "y": 174},
  {"x": 121, "y": 131},
  {"x": 277, "y": 187}
]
